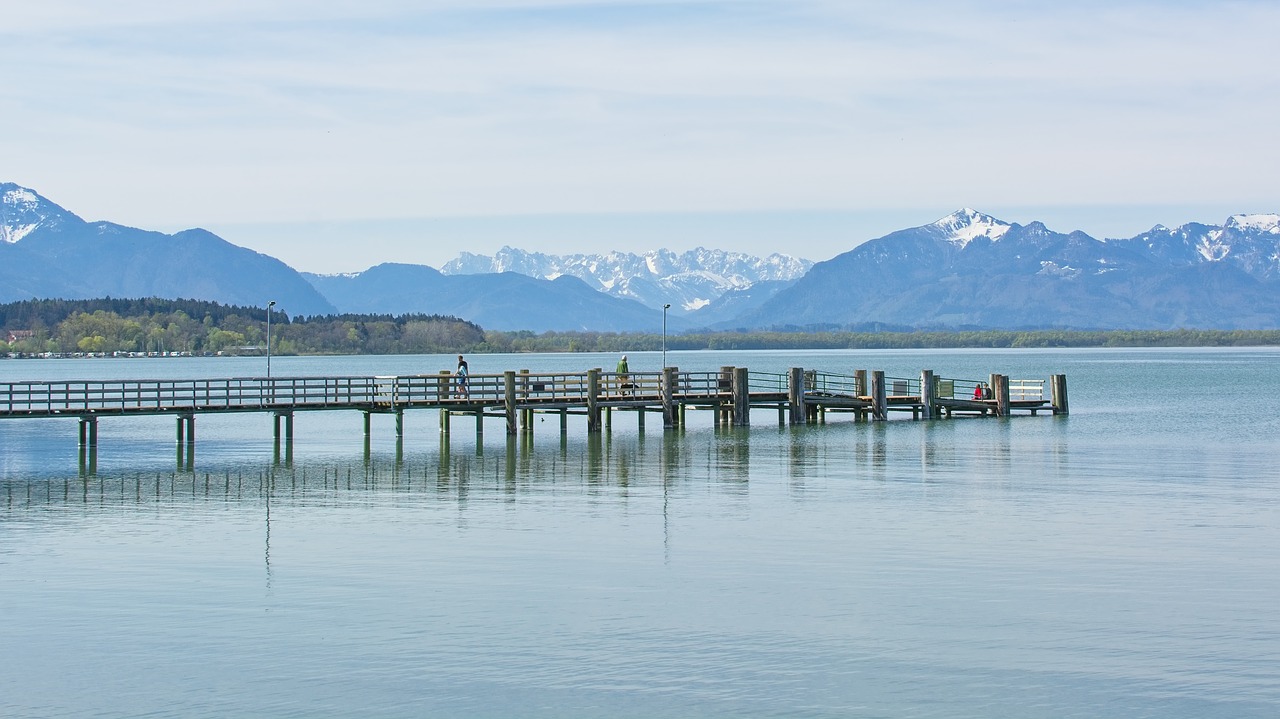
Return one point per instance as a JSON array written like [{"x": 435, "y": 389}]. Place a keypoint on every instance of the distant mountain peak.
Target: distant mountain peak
[
  {"x": 23, "y": 210},
  {"x": 1261, "y": 223},
  {"x": 965, "y": 225}
]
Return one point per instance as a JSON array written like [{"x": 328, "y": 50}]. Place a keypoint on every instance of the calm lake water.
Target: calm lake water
[{"x": 1120, "y": 562}]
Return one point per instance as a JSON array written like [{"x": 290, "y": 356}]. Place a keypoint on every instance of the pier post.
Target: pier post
[
  {"x": 795, "y": 394},
  {"x": 724, "y": 384},
  {"x": 1002, "y": 394},
  {"x": 509, "y": 400},
  {"x": 593, "y": 400},
  {"x": 879, "y": 397},
  {"x": 444, "y": 385},
  {"x": 526, "y": 414},
  {"x": 1058, "y": 391},
  {"x": 860, "y": 383},
  {"x": 444, "y": 421},
  {"x": 367, "y": 422},
  {"x": 668, "y": 397},
  {"x": 741, "y": 397},
  {"x": 926, "y": 393},
  {"x": 399, "y": 424}
]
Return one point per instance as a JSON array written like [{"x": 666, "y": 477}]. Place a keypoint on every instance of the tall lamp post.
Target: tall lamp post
[
  {"x": 270, "y": 304},
  {"x": 665, "y": 307}
]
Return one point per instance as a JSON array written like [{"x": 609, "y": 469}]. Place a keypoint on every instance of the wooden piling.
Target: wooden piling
[
  {"x": 1058, "y": 391},
  {"x": 879, "y": 397},
  {"x": 593, "y": 400},
  {"x": 795, "y": 394},
  {"x": 509, "y": 400},
  {"x": 1002, "y": 394},
  {"x": 668, "y": 397},
  {"x": 926, "y": 393},
  {"x": 741, "y": 397}
]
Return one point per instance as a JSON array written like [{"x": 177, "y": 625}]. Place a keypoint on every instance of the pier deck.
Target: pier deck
[{"x": 800, "y": 397}]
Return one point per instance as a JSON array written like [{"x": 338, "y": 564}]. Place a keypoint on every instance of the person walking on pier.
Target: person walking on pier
[
  {"x": 624, "y": 376},
  {"x": 464, "y": 375}
]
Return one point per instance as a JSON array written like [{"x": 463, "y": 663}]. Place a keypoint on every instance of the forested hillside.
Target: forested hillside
[{"x": 198, "y": 327}]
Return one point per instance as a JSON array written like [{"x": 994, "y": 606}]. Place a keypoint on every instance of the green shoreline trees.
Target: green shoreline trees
[{"x": 190, "y": 326}]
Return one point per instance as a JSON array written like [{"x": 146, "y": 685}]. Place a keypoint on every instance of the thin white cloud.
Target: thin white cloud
[{"x": 260, "y": 112}]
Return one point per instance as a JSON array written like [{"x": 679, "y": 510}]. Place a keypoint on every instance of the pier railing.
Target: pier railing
[
  {"x": 1026, "y": 390},
  {"x": 827, "y": 383},
  {"x": 768, "y": 382}
]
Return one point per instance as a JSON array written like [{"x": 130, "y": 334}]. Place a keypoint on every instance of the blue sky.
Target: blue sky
[{"x": 336, "y": 135}]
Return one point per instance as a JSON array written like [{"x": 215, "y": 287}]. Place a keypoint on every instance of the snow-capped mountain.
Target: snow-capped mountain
[
  {"x": 689, "y": 280},
  {"x": 1249, "y": 242},
  {"x": 22, "y": 212},
  {"x": 970, "y": 269},
  {"x": 49, "y": 252}
]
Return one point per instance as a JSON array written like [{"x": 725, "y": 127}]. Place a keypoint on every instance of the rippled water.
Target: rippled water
[{"x": 1118, "y": 562}]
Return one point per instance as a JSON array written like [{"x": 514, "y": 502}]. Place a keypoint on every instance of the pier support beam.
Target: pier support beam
[
  {"x": 741, "y": 397},
  {"x": 879, "y": 397},
  {"x": 88, "y": 446},
  {"x": 287, "y": 418},
  {"x": 860, "y": 383},
  {"x": 186, "y": 429},
  {"x": 88, "y": 431},
  {"x": 1058, "y": 392}
]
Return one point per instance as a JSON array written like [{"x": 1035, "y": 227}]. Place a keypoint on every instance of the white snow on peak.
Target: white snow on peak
[
  {"x": 23, "y": 202},
  {"x": 964, "y": 226},
  {"x": 1212, "y": 248},
  {"x": 20, "y": 195},
  {"x": 1256, "y": 223}
]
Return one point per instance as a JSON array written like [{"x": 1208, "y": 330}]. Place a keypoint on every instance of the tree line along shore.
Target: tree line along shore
[{"x": 113, "y": 327}]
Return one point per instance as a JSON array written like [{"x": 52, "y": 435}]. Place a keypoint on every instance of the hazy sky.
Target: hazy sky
[{"x": 337, "y": 134}]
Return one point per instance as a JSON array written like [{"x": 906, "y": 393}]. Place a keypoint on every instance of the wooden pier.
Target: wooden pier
[{"x": 799, "y": 396}]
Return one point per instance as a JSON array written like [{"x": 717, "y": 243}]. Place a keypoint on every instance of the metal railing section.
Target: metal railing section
[{"x": 826, "y": 383}]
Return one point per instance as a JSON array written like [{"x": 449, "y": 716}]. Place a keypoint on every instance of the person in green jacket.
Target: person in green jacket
[{"x": 624, "y": 376}]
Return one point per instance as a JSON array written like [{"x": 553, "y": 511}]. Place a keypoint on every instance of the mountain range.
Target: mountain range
[
  {"x": 967, "y": 270},
  {"x": 689, "y": 281},
  {"x": 972, "y": 270}
]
